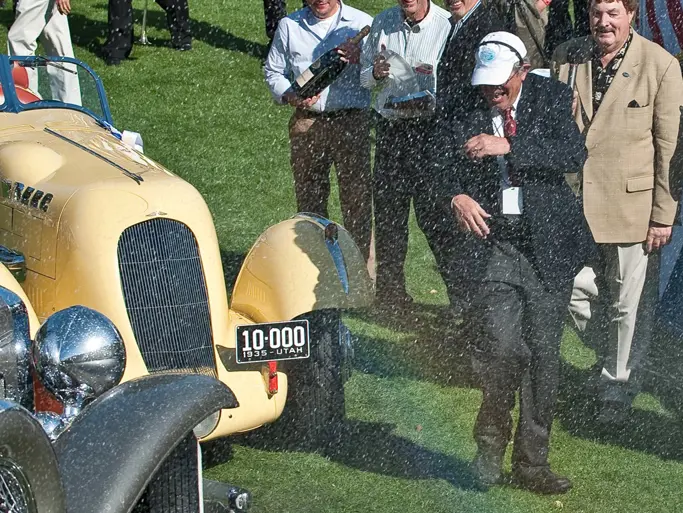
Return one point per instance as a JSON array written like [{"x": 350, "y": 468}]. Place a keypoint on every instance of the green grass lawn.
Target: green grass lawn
[{"x": 207, "y": 115}]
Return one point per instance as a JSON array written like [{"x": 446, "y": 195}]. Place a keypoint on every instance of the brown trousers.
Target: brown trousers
[{"x": 342, "y": 138}]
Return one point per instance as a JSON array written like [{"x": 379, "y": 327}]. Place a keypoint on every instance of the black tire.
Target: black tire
[
  {"x": 175, "y": 487},
  {"x": 315, "y": 408},
  {"x": 29, "y": 473}
]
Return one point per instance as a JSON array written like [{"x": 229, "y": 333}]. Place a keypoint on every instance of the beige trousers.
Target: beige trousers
[
  {"x": 41, "y": 19},
  {"x": 613, "y": 303}
]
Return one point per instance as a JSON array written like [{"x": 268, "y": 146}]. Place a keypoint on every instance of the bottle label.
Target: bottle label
[{"x": 304, "y": 78}]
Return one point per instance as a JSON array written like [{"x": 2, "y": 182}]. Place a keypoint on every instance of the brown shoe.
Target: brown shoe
[{"x": 540, "y": 480}]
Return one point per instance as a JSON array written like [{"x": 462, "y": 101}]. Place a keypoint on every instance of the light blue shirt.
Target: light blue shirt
[{"x": 299, "y": 41}]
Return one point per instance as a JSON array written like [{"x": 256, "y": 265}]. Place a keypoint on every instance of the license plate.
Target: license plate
[{"x": 273, "y": 341}]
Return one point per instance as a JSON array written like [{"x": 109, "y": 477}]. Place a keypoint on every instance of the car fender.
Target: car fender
[
  {"x": 300, "y": 265},
  {"x": 110, "y": 453},
  {"x": 26, "y": 453}
]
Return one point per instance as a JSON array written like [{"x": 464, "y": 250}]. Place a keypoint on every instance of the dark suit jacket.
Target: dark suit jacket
[
  {"x": 548, "y": 145},
  {"x": 454, "y": 72}
]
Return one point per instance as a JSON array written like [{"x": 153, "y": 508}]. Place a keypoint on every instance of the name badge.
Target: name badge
[{"x": 512, "y": 200}]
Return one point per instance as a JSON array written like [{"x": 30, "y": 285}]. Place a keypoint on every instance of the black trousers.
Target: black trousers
[
  {"x": 516, "y": 327},
  {"x": 120, "y": 38},
  {"x": 273, "y": 11},
  {"x": 403, "y": 164}
]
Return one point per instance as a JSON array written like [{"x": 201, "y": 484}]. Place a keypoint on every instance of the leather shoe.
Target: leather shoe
[
  {"x": 488, "y": 468},
  {"x": 540, "y": 480}
]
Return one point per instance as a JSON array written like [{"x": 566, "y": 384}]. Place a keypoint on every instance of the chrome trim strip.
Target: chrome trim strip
[
  {"x": 15, "y": 263},
  {"x": 129, "y": 174},
  {"x": 15, "y": 352},
  {"x": 332, "y": 247}
]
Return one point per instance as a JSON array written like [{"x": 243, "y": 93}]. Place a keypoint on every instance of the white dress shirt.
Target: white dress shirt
[
  {"x": 512, "y": 199},
  {"x": 420, "y": 45},
  {"x": 300, "y": 39}
]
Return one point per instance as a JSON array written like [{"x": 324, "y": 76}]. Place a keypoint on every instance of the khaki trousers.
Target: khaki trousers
[
  {"x": 41, "y": 19},
  {"x": 342, "y": 138},
  {"x": 613, "y": 302}
]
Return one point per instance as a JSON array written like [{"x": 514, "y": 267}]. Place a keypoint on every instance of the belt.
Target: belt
[
  {"x": 331, "y": 114},
  {"x": 510, "y": 228}
]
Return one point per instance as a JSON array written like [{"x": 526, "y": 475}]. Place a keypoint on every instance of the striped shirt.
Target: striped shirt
[{"x": 420, "y": 45}]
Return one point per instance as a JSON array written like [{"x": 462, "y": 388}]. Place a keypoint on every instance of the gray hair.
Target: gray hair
[{"x": 520, "y": 64}]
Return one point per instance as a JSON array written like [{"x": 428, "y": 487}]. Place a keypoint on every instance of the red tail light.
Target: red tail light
[{"x": 272, "y": 378}]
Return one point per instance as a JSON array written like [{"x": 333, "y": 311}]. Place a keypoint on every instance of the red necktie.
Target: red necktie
[{"x": 510, "y": 130}]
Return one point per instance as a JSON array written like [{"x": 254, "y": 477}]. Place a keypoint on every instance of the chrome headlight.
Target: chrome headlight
[
  {"x": 206, "y": 426},
  {"x": 78, "y": 354}
]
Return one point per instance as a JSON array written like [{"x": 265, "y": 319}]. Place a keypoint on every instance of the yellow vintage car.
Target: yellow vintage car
[{"x": 87, "y": 219}]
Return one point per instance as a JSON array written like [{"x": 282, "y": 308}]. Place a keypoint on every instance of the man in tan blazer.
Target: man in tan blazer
[{"x": 627, "y": 104}]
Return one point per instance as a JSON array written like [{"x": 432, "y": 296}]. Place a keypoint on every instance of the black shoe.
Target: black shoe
[
  {"x": 183, "y": 47},
  {"x": 540, "y": 480},
  {"x": 488, "y": 468},
  {"x": 109, "y": 61}
]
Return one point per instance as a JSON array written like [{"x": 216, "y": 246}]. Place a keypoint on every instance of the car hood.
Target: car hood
[{"x": 67, "y": 154}]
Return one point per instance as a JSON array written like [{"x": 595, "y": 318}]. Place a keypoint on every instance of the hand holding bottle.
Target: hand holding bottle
[
  {"x": 291, "y": 98},
  {"x": 380, "y": 67},
  {"x": 349, "y": 51}
]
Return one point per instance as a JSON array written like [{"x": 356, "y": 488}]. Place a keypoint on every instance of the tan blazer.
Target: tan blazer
[{"x": 630, "y": 140}]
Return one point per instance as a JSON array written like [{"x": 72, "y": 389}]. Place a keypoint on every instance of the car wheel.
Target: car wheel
[
  {"x": 29, "y": 473},
  {"x": 175, "y": 487},
  {"x": 314, "y": 411}
]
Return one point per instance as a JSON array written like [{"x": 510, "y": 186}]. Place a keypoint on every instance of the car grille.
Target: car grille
[{"x": 165, "y": 295}]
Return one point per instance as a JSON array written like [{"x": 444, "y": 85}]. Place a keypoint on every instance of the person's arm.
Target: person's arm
[
  {"x": 667, "y": 117},
  {"x": 276, "y": 69},
  {"x": 666, "y": 132},
  {"x": 368, "y": 54},
  {"x": 555, "y": 146},
  {"x": 64, "y": 6}
]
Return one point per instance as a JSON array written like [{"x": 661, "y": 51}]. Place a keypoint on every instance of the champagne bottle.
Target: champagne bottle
[{"x": 323, "y": 71}]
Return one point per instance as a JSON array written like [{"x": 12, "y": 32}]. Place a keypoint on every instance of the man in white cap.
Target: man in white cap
[{"x": 527, "y": 240}]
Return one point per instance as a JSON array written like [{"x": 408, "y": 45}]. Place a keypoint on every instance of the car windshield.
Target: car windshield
[{"x": 53, "y": 83}]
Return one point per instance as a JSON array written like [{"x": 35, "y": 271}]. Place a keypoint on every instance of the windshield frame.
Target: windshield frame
[{"x": 13, "y": 105}]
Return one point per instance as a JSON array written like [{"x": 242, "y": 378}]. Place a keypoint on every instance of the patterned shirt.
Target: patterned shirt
[{"x": 603, "y": 76}]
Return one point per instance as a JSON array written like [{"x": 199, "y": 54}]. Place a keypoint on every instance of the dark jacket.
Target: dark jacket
[
  {"x": 454, "y": 72},
  {"x": 547, "y": 145}
]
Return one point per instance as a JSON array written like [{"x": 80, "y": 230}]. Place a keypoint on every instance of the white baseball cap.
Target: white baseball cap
[{"x": 496, "y": 57}]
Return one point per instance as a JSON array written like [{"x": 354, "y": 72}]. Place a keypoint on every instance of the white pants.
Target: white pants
[
  {"x": 41, "y": 19},
  {"x": 623, "y": 290}
]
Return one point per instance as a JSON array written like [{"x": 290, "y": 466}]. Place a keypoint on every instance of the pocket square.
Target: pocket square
[{"x": 633, "y": 104}]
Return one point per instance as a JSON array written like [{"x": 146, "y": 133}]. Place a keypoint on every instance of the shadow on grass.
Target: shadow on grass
[
  {"x": 91, "y": 34},
  {"x": 434, "y": 348},
  {"x": 232, "y": 263},
  {"x": 644, "y": 431},
  {"x": 664, "y": 367},
  {"x": 6, "y": 17},
  {"x": 371, "y": 447}
]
